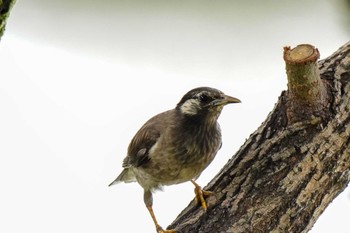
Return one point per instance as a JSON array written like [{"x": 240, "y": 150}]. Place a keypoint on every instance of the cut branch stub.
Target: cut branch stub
[{"x": 307, "y": 95}]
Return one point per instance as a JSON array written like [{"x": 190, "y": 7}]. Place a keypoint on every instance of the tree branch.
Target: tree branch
[
  {"x": 5, "y": 7},
  {"x": 294, "y": 164}
]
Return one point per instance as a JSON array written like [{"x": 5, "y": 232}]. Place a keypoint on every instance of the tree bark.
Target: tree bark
[
  {"x": 294, "y": 164},
  {"x": 5, "y": 7}
]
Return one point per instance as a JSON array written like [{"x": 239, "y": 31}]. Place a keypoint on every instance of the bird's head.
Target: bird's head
[{"x": 203, "y": 102}]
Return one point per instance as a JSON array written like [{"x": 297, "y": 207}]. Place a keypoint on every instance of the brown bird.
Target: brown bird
[{"x": 176, "y": 146}]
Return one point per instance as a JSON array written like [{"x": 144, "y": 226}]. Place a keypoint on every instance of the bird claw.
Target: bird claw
[
  {"x": 160, "y": 230},
  {"x": 201, "y": 195},
  {"x": 167, "y": 231}
]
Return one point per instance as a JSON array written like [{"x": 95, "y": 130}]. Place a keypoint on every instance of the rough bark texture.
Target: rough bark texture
[
  {"x": 5, "y": 7},
  {"x": 288, "y": 171}
]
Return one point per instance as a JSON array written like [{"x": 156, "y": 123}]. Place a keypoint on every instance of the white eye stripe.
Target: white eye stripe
[{"x": 190, "y": 107}]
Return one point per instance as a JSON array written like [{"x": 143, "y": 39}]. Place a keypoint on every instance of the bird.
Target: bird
[{"x": 175, "y": 146}]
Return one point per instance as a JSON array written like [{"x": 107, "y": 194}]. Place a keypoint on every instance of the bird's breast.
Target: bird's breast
[
  {"x": 177, "y": 158},
  {"x": 187, "y": 156}
]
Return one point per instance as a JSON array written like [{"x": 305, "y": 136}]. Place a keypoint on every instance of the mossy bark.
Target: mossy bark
[
  {"x": 5, "y": 7},
  {"x": 292, "y": 166}
]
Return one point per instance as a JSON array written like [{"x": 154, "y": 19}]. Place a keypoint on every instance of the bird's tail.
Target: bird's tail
[{"x": 126, "y": 176}]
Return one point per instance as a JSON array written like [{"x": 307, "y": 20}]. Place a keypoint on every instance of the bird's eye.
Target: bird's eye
[{"x": 204, "y": 98}]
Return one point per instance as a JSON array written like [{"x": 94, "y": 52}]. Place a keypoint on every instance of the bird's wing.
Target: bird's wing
[{"x": 145, "y": 138}]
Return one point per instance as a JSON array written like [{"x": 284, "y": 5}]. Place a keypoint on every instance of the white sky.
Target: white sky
[{"x": 71, "y": 100}]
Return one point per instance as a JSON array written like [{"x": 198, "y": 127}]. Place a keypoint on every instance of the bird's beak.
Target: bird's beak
[
  {"x": 230, "y": 100},
  {"x": 226, "y": 100}
]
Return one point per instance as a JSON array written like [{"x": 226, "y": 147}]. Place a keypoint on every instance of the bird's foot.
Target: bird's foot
[
  {"x": 201, "y": 195},
  {"x": 158, "y": 227},
  {"x": 160, "y": 230}
]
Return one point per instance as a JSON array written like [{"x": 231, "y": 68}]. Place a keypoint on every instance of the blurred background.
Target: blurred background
[{"x": 78, "y": 79}]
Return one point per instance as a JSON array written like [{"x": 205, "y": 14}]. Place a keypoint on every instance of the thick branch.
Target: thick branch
[
  {"x": 287, "y": 172},
  {"x": 5, "y": 7}
]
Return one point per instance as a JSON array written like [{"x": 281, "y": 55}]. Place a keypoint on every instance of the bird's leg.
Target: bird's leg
[
  {"x": 201, "y": 195},
  {"x": 148, "y": 199}
]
